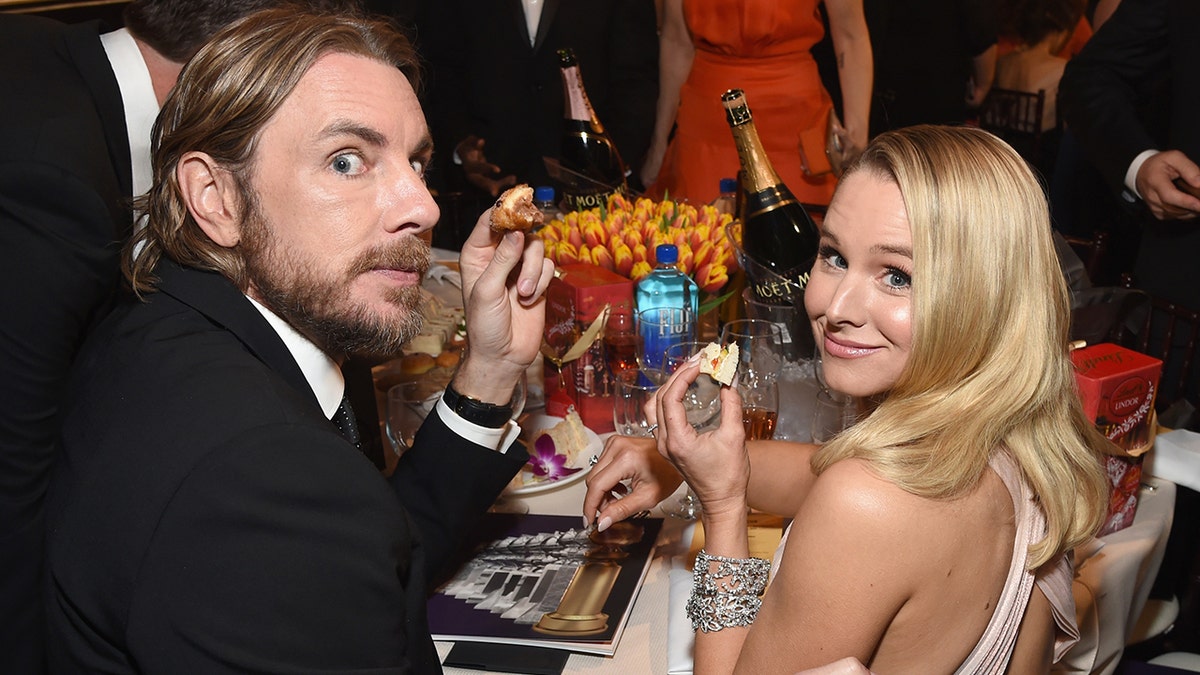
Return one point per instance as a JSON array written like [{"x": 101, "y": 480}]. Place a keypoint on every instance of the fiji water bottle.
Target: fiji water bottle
[
  {"x": 667, "y": 302},
  {"x": 543, "y": 200}
]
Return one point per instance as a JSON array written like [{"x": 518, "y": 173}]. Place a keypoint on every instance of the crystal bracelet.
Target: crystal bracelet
[{"x": 729, "y": 596}]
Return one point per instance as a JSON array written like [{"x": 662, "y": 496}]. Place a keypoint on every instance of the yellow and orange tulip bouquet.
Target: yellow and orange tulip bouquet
[{"x": 623, "y": 236}]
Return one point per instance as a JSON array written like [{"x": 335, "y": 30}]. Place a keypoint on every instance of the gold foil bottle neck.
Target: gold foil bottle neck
[
  {"x": 757, "y": 172},
  {"x": 737, "y": 112}
]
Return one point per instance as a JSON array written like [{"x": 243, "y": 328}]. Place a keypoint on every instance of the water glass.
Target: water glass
[
  {"x": 832, "y": 414},
  {"x": 760, "y": 362},
  {"x": 622, "y": 344},
  {"x": 407, "y": 405},
  {"x": 702, "y": 403},
  {"x": 634, "y": 388},
  {"x": 660, "y": 328}
]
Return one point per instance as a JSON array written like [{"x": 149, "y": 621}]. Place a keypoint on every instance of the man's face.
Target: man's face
[{"x": 338, "y": 199}]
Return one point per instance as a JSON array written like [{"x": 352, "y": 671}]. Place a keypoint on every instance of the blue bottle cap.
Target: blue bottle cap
[
  {"x": 543, "y": 193},
  {"x": 728, "y": 185},
  {"x": 666, "y": 254}
]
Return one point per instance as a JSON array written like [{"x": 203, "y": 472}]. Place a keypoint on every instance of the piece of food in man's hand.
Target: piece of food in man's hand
[
  {"x": 719, "y": 362},
  {"x": 514, "y": 210}
]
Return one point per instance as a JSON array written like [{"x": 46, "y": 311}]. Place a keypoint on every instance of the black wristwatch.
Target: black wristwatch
[{"x": 477, "y": 412}]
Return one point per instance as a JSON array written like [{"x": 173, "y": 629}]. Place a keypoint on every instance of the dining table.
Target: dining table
[{"x": 1113, "y": 573}]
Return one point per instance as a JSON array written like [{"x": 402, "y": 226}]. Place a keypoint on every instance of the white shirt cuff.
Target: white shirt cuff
[
  {"x": 1134, "y": 167},
  {"x": 496, "y": 439}
]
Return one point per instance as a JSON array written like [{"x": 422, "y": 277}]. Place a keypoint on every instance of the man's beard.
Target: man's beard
[{"x": 323, "y": 309}]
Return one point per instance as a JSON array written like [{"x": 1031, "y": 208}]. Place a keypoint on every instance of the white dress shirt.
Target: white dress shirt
[
  {"x": 329, "y": 386},
  {"x": 137, "y": 96},
  {"x": 533, "y": 16}
]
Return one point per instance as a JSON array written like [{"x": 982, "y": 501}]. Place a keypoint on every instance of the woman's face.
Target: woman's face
[{"x": 859, "y": 297}]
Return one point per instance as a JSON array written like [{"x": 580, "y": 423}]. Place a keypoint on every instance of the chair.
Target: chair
[
  {"x": 1015, "y": 116},
  {"x": 1093, "y": 252},
  {"x": 1169, "y": 332}
]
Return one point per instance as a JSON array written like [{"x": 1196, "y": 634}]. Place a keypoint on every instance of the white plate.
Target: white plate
[{"x": 526, "y": 482}]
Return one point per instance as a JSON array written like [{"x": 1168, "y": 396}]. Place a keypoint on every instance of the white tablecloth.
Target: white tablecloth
[{"x": 1113, "y": 579}]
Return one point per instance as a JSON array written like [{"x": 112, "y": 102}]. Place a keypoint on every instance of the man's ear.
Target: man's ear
[{"x": 212, "y": 197}]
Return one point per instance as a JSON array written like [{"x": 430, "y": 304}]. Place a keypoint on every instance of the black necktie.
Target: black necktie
[{"x": 346, "y": 422}]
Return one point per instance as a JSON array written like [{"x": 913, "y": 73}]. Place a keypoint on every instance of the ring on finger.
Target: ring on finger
[{"x": 651, "y": 429}]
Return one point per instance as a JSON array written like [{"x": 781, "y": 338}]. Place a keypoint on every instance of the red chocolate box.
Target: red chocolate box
[
  {"x": 1118, "y": 387},
  {"x": 573, "y": 300}
]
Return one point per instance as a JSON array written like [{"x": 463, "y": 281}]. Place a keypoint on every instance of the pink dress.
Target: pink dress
[
  {"x": 761, "y": 47},
  {"x": 995, "y": 647}
]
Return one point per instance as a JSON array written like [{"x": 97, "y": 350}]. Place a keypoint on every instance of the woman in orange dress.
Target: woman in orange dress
[{"x": 762, "y": 47}]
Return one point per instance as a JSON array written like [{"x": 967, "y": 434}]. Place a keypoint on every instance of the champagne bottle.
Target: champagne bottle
[
  {"x": 587, "y": 150},
  {"x": 779, "y": 239}
]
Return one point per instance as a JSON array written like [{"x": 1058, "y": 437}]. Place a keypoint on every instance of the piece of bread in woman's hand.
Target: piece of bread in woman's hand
[
  {"x": 720, "y": 363},
  {"x": 514, "y": 210}
]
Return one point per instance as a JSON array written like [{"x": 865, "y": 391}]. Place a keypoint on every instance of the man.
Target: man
[
  {"x": 496, "y": 91},
  {"x": 934, "y": 61},
  {"x": 1149, "y": 155},
  {"x": 207, "y": 514},
  {"x": 74, "y": 149},
  {"x": 1100, "y": 94}
]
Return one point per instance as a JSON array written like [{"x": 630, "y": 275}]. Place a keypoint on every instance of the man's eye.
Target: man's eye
[
  {"x": 418, "y": 165},
  {"x": 348, "y": 164}
]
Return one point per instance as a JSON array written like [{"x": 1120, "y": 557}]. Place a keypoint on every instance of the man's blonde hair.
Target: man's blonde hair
[
  {"x": 989, "y": 368},
  {"x": 225, "y": 96}
]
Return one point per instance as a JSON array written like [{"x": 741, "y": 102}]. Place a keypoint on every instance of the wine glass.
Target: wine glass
[
  {"x": 760, "y": 360},
  {"x": 702, "y": 404},
  {"x": 407, "y": 405},
  {"x": 661, "y": 327},
  {"x": 832, "y": 414},
  {"x": 634, "y": 388}
]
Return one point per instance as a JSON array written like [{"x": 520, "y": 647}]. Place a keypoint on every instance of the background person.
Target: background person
[{"x": 763, "y": 48}]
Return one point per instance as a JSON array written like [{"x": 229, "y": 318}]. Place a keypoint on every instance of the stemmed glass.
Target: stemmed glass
[
  {"x": 833, "y": 411},
  {"x": 701, "y": 403},
  {"x": 760, "y": 360},
  {"x": 407, "y": 405}
]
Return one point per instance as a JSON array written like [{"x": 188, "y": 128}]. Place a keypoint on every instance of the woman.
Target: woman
[
  {"x": 761, "y": 46},
  {"x": 1040, "y": 30},
  {"x": 931, "y": 536}
]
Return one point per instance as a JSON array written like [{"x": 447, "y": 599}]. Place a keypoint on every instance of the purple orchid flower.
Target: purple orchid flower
[{"x": 548, "y": 464}]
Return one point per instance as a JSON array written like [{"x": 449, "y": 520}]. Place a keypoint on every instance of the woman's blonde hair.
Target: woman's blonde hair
[
  {"x": 225, "y": 96},
  {"x": 989, "y": 367}
]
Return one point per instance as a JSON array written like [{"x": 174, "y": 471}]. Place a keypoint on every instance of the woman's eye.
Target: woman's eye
[
  {"x": 831, "y": 257},
  {"x": 897, "y": 279},
  {"x": 348, "y": 164}
]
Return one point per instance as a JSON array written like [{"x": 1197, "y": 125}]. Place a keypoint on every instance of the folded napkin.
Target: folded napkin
[
  {"x": 680, "y": 638},
  {"x": 1176, "y": 458},
  {"x": 443, "y": 274}
]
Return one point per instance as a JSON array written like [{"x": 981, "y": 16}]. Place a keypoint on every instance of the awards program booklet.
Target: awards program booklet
[{"x": 545, "y": 581}]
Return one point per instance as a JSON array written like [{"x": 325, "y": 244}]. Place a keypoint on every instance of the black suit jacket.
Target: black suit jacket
[
  {"x": 65, "y": 183},
  {"x": 486, "y": 79},
  {"x": 206, "y": 517},
  {"x": 1100, "y": 96}
]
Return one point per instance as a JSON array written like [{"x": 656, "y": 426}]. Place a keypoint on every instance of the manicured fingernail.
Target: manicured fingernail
[
  {"x": 605, "y": 523},
  {"x": 585, "y": 522},
  {"x": 695, "y": 358},
  {"x": 526, "y": 287}
]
